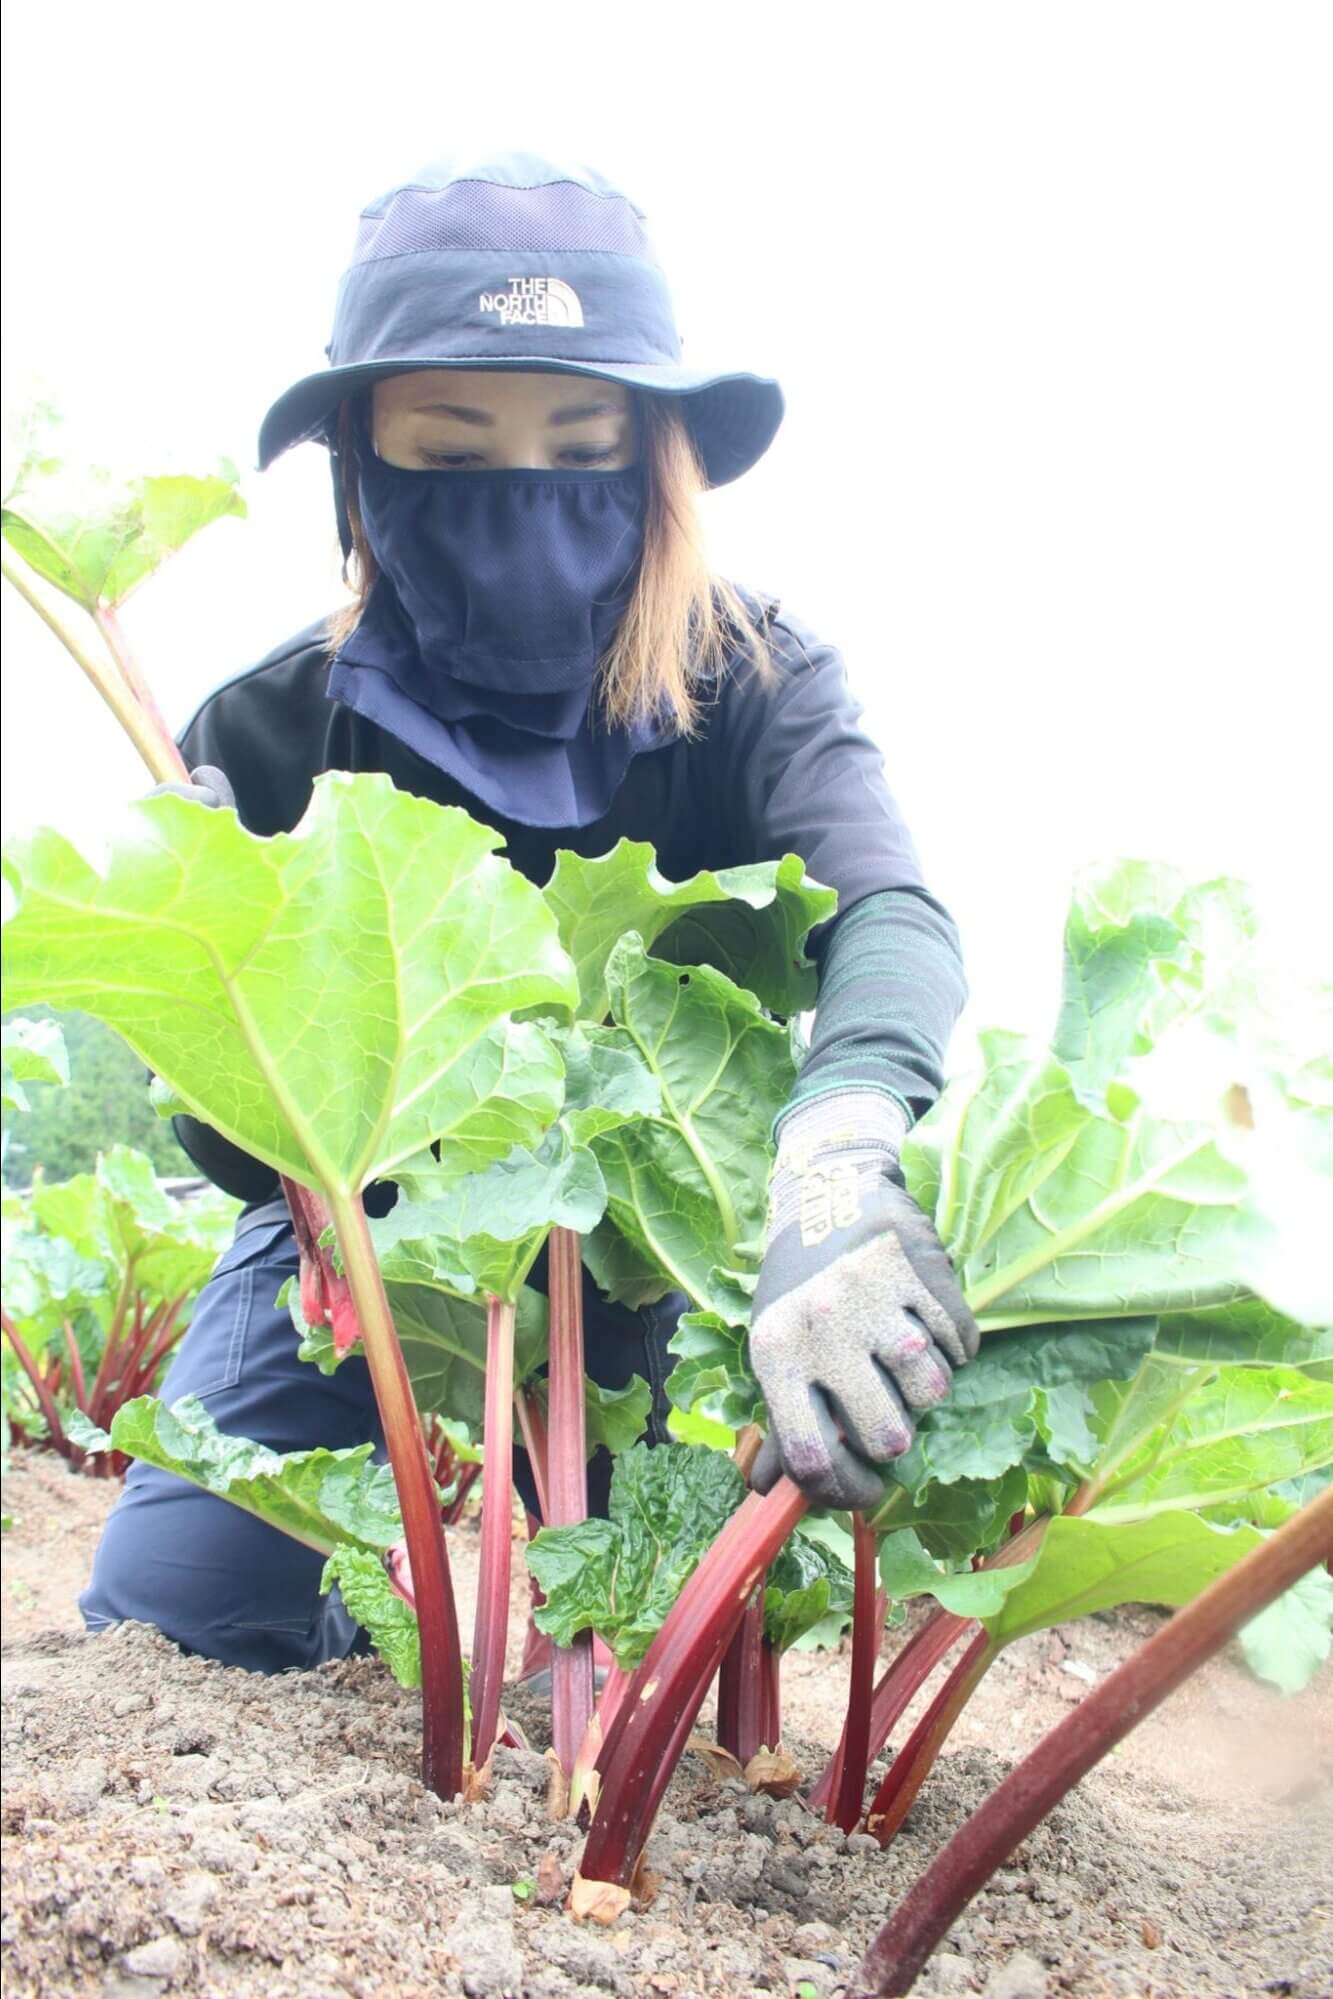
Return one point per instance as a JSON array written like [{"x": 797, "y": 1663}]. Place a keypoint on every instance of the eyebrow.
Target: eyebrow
[{"x": 573, "y": 413}]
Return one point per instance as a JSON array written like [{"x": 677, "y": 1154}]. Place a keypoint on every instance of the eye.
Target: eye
[
  {"x": 447, "y": 460},
  {"x": 590, "y": 457}
]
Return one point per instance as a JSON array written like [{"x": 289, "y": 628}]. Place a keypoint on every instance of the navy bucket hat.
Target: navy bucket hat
[{"x": 517, "y": 262}]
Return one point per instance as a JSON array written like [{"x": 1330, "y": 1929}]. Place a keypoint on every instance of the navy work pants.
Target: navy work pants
[{"x": 220, "y": 1582}]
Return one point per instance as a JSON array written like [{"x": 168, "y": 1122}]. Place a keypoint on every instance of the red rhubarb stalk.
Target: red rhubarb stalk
[
  {"x": 497, "y": 1530},
  {"x": 113, "y": 632},
  {"x": 76, "y": 1367},
  {"x": 441, "y": 1660},
  {"x": 668, "y": 1689},
  {"x": 770, "y": 1666},
  {"x": 326, "y": 1296},
  {"x": 172, "y": 1332},
  {"x": 40, "y": 1387},
  {"x": 906, "y": 1674},
  {"x": 1104, "y": 1717},
  {"x": 742, "y": 1688},
  {"x": 110, "y": 1361},
  {"x": 850, "y": 1795},
  {"x": 746, "y": 1704},
  {"x": 913, "y": 1764},
  {"x": 912, "y": 1667},
  {"x": 147, "y": 1336},
  {"x": 573, "y": 1686}
]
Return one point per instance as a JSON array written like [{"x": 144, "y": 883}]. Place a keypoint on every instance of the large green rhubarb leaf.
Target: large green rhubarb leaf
[
  {"x": 620, "y": 1576},
  {"x": 607, "y": 1082},
  {"x": 319, "y": 1497},
  {"x": 48, "y": 1282},
  {"x": 1141, "y": 1217},
  {"x": 1118, "y": 1172},
  {"x": 750, "y": 922},
  {"x": 332, "y": 1000},
  {"x": 687, "y": 1190},
  {"x": 1245, "y": 1332},
  {"x": 992, "y": 1139},
  {"x": 1086, "y": 1564},
  {"x": 1180, "y": 1438},
  {"x": 94, "y": 535},
  {"x": 1144, "y": 952}
]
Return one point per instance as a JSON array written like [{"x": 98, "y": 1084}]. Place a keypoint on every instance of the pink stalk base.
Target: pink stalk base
[
  {"x": 668, "y": 1689},
  {"x": 584, "y": 1782},
  {"x": 849, "y": 1797},
  {"x": 1106, "y": 1715},
  {"x": 497, "y": 1537},
  {"x": 573, "y": 1684}
]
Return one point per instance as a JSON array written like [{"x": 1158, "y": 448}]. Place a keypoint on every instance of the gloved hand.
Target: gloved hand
[
  {"x": 858, "y": 1319},
  {"x": 208, "y": 786}
]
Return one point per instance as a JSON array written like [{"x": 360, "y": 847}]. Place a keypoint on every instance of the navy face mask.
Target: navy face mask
[{"x": 498, "y": 594}]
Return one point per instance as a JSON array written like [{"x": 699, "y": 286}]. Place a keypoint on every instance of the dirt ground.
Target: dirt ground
[{"x": 177, "y": 1827}]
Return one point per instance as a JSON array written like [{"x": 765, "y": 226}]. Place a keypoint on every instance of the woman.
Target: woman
[{"x": 517, "y": 447}]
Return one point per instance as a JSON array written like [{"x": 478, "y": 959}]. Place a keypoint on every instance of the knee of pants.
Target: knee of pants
[{"x": 213, "y": 1579}]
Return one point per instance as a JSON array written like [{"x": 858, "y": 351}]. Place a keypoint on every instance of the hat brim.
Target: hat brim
[{"x": 733, "y": 418}]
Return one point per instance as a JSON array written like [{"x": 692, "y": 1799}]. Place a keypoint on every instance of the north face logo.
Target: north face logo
[{"x": 535, "y": 302}]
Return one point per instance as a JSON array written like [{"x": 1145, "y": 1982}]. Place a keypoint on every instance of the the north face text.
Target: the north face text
[{"x": 535, "y": 302}]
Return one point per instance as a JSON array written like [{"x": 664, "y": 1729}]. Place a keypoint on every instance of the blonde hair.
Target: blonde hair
[{"x": 682, "y": 625}]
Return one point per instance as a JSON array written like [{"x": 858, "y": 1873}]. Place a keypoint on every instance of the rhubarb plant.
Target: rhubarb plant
[
  {"x": 382, "y": 945},
  {"x": 1099, "y": 1200},
  {"x": 101, "y": 1273}
]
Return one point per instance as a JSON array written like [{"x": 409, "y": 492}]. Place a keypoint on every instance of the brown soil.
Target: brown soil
[{"x": 178, "y": 1827}]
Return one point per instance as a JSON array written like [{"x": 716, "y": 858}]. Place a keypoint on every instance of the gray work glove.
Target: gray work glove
[
  {"x": 208, "y": 786},
  {"x": 858, "y": 1319}
]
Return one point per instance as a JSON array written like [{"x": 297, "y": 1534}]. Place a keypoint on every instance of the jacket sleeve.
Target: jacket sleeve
[
  {"x": 891, "y": 988},
  {"x": 808, "y": 779},
  {"x": 801, "y": 775}
]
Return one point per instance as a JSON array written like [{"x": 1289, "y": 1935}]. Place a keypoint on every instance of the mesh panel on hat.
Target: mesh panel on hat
[{"x": 477, "y": 215}]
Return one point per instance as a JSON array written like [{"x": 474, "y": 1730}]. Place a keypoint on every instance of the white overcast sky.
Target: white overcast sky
[{"x": 1048, "y": 288}]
